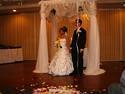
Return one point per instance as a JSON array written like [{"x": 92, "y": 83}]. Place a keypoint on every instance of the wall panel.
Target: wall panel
[
  {"x": 23, "y": 30},
  {"x": 109, "y": 27}
]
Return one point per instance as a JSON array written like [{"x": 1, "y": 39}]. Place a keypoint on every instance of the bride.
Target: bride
[{"x": 61, "y": 64}]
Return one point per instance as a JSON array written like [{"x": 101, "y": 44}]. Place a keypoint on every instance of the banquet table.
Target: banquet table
[{"x": 10, "y": 54}]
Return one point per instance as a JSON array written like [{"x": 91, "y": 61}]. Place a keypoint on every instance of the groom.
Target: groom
[{"x": 77, "y": 47}]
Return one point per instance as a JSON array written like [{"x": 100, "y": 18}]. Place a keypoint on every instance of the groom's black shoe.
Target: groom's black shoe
[
  {"x": 71, "y": 74},
  {"x": 84, "y": 68},
  {"x": 80, "y": 74}
]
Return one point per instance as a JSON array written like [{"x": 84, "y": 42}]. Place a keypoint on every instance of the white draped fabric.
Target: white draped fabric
[
  {"x": 69, "y": 8},
  {"x": 93, "y": 59},
  {"x": 53, "y": 37},
  {"x": 42, "y": 60}
]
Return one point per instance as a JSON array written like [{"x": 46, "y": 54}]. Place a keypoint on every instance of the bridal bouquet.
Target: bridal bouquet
[{"x": 57, "y": 43}]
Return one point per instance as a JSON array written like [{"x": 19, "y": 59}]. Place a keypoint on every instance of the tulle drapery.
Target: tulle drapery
[
  {"x": 53, "y": 36},
  {"x": 69, "y": 8},
  {"x": 93, "y": 58},
  {"x": 42, "y": 58}
]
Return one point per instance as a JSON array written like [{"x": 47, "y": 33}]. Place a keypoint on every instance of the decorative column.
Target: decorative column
[
  {"x": 42, "y": 58},
  {"x": 93, "y": 60}
]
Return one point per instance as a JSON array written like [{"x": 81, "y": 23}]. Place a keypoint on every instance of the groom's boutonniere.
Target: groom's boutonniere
[{"x": 79, "y": 31}]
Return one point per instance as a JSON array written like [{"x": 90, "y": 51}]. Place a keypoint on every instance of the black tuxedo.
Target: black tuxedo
[{"x": 78, "y": 42}]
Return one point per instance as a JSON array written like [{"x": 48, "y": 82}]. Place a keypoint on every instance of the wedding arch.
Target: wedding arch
[{"x": 69, "y": 8}]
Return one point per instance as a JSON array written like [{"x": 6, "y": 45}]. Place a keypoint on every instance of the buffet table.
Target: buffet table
[{"x": 10, "y": 54}]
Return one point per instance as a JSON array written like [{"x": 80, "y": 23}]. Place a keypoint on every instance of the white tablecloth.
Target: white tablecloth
[{"x": 11, "y": 55}]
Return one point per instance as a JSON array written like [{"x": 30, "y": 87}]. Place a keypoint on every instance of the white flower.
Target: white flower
[{"x": 79, "y": 31}]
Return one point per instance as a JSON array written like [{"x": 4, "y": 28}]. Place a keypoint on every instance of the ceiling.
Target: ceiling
[
  {"x": 17, "y": 2},
  {"x": 6, "y": 6}
]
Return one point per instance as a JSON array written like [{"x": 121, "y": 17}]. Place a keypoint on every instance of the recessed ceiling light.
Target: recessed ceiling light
[
  {"x": 124, "y": 5},
  {"x": 14, "y": 10}
]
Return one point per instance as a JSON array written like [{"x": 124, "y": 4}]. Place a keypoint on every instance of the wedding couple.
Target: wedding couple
[{"x": 63, "y": 63}]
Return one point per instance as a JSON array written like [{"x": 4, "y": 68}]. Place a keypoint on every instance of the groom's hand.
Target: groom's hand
[{"x": 81, "y": 50}]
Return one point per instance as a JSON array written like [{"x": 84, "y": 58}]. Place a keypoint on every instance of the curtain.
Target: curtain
[{"x": 53, "y": 37}]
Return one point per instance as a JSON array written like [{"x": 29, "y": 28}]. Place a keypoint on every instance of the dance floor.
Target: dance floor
[{"x": 18, "y": 76}]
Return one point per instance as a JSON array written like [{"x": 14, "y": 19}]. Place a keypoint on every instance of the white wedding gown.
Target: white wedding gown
[{"x": 61, "y": 64}]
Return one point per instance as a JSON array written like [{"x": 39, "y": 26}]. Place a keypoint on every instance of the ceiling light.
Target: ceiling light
[{"x": 14, "y": 10}]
